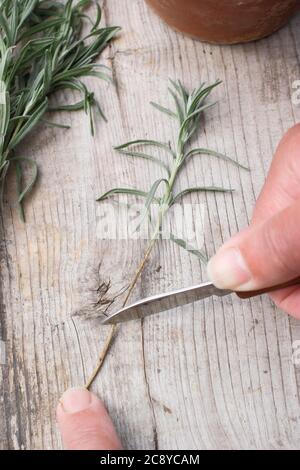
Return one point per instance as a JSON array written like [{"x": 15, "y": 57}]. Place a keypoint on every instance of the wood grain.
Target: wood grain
[{"x": 214, "y": 375}]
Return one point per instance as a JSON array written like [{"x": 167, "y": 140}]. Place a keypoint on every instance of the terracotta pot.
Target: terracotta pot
[{"x": 226, "y": 21}]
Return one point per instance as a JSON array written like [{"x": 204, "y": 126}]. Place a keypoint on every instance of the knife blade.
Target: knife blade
[
  {"x": 162, "y": 302},
  {"x": 166, "y": 301}
]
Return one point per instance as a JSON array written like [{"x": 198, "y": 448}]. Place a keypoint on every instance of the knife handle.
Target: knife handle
[{"x": 254, "y": 293}]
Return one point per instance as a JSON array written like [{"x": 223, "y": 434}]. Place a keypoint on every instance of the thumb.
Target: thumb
[
  {"x": 84, "y": 422},
  {"x": 263, "y": 255}
]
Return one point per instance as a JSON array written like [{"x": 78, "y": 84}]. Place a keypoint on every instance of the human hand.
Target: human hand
[
  {"x": 267, "y": 253},
  {"x": 84, "y": 422}
]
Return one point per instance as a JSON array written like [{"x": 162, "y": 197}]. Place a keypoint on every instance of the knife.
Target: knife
[{"x": 166, "y": 301}]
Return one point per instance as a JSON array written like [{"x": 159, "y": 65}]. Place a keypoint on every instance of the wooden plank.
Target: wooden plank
[{"x": 214, "y": 375}]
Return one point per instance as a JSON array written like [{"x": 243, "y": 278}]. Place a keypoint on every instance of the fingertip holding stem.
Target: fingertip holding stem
[
  {"x": 84, "y": 422},
  {"x": 75, "y": 400}
]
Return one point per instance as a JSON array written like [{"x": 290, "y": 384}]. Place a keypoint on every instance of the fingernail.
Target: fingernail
[
  {"x": 75, "y": 400},
  {"x": 228, "y": 269}
]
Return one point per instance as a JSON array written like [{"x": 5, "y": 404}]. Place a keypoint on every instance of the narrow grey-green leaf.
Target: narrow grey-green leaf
[
  {"x": 186, "y": 246},
  {"x": 29, "y": 124},
  {"x": 6, "y": 28},
  {"x": 145, "y": 157},
  {"x": 79, "y": 105},
  {"x": 181, "y": 90},
  {"x": 19, "y": 179},
  {"x": 151, "y": 194},
  {"x": 150, "y": 198},
  {"x": 129, "y": 191},
  {"x": 55, "y": 124},
  {"x": 201, "y": 189},
  {"x": 213, "y": 153},
  {"x": 23, "y": 192},
  {"x": 164, "y": 110},
  {"x": 180, "y": 111},
  {"x": 146, "y": 142},
  {"x": 4, "y": 110},
  {"x": 98, "y": 17}
]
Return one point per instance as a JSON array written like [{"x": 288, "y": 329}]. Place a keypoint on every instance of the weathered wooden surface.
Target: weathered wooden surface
[{"x": 215, "y": 375}]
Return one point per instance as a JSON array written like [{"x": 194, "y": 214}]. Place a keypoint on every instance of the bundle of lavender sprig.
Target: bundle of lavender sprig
[{"x": 42, "y": 50}]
